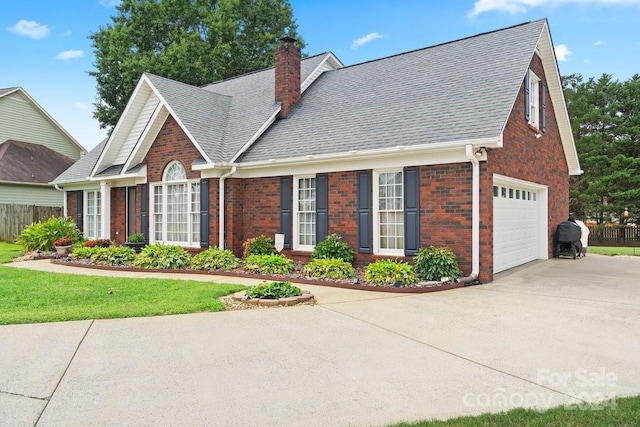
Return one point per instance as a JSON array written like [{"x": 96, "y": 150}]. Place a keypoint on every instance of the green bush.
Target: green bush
[
  {"x": 389, "y": 272},
  {"x": 273, "y": 290},
  {"x": 436, "y": 263},
  {"x": 113, "y": 255},
  {"x": 162, "y": 256},
  {"x": 214, "y": 258},
  {"x": 329, "y": 268},
  {"x": 136, "y": 238},
  {"x": 41, "y": 235},
  {"x": 261, "y": 245},
  {"x": 82, "y": 252},
  {"x": 268, "y": 264},
  {"x": 333, "y": 247}
]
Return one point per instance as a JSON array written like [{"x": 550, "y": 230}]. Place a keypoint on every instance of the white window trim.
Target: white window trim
[
  {"x": 534, "y": 100},
  {"x": 85, "y": 213},
  {"x": 376, "y": 215},
  {"x": 296, "y": 237},
  {"x": 152, "y": 211}
]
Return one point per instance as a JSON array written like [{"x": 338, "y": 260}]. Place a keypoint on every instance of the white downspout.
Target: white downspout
[
  {"x": 475, "y": 217},
  {"x": 64, "y": 199},
  {"x": 221, "y": 207}
]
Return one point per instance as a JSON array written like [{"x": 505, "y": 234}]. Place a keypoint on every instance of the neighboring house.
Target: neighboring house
[
  {"x": 465, "y": 144},
  {"x": 34, "y": 149}
]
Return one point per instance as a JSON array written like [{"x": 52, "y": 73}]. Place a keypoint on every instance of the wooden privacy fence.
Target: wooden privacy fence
[
  {"x": 14, "y": 218},
  {"x": 614, "y": 236}
]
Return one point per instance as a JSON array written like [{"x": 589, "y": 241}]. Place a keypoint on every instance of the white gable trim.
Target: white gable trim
[
  {"x": 257, "y": 135},
  {"x": 145, "y": 141}
]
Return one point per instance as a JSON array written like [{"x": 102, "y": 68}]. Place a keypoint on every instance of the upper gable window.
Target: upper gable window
[{"x": 534, "y": 100}]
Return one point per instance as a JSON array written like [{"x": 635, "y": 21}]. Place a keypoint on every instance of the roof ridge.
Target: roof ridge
[{"x": 443, "y": 44}]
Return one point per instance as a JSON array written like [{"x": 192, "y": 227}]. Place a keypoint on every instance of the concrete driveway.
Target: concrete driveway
[{"x": 542, "y": 335}]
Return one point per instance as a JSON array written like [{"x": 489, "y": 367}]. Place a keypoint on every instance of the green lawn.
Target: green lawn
[
  {"x": 610, "y": 250},
  {"x": 28, "y": 296},
  {"x": 619, "y": 412}
]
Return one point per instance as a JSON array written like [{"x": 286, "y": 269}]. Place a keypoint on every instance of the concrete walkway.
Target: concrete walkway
[{"x": 545, "y": 334}]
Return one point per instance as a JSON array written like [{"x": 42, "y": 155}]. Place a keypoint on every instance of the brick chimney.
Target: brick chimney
[{"x": 287, "y": 75}]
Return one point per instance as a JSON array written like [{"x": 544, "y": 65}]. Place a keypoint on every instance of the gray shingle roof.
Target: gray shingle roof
[
  {"x": 31, "y": 163},
  {"x": 81, "y": 169},
  {"x": 6, "y": 90},
  {"x": 450, "y": 92}
]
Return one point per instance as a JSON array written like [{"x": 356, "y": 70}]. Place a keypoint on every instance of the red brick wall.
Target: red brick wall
[
  {"x": 528, "y": 158},
  {"x": 118, "y": 215},
  {"x": 287, "y": 77},
  {"x": 234, "y": 200},
  {"x": 260, "y": 213},
  {"x": 72, "y": 206}
]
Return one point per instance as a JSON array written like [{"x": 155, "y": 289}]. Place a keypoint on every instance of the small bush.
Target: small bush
[
  {"x": 162, "y": 256},
  {"x": 329, "y": 268},
  {"x": 113, "y": 255},
  {"x": 41, "y": 235},
  {"x": 273, "y": 290},
  {"x": 261, "y": 245},
  {"x": 136, "y": 238},
  {"x": 98, "y": 243},
  {"x": 436, "y": 263},
  {"x": 268, "y": 264},
  {"x": 388, "y": 272},
  {"x": 82, "y": 252},
  {"x": 214, "y": 258},
  {"x": 333, "y": 247}
]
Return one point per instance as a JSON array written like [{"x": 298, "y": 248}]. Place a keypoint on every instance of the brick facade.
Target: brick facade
[{"x": 119, "y": 214}]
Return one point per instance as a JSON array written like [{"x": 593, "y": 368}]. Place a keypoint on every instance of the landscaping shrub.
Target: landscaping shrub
[
  {"x": 136, "y": 238},
  {"x": 333, "y": 247},
  {"x": 268, "y": 264},
  {"x": 389, "y": 272},
  {"x": 273, "y": 290},
  {"x": 82, "y": 252},
  {"x": 436, "y": 263},
  {"x": 41, "y": 235},
  {"x": 261, "y": 245},
  {"x": 98, "y": 243},
  {"x": 214, "y": 258},
  {"x": 162, "y": 256},
  {"x": 113, "y": 255},
  {"x": 329, "y": 268}
]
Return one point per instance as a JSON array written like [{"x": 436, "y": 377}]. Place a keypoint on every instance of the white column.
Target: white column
[{"x": 105, "y": 219}]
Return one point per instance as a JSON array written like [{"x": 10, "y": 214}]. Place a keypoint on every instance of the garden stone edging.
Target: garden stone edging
[
  {"x": 305, "y": 296},
  {"x": 318, "y": 282}
]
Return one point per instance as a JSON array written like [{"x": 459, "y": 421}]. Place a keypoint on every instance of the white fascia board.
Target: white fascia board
[
  {"x": 29, "y": 184},
  {"x": 254, "y": 138},
  {"x": 333, "y": 62},
  {"x": 140, "y": 174},
  {"x": 121, "y": 120}
]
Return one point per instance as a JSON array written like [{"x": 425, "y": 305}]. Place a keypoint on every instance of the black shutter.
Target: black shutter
[
  {"x": 526, "y": 96},
  {"x": 411, "y": 211},
  {"x": 322, "y": 207},
  {"x": 286, "y": 190},
  {"x": 79, "y": 210},
  {"x": 364, "y": 212},
  {"x": 144, "y": 211},
  {"x": 543, "y": 106},
  {"x": 204, "y": 213}
]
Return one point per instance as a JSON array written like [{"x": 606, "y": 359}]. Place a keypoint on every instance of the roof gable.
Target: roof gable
[{"x": 30, "y": 163}]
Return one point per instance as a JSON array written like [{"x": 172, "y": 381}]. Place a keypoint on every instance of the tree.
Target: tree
[
  {"x": 605, "y": 116},
  {"x": 192, "y": 41}
]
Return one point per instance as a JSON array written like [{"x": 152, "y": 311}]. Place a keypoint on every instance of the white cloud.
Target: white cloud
[
  {"x": 366, "y": 39},
  {"x": 70, "y": 54},
  {"x": 521, "y": 6},
  {"x": 30, "y": 29},
  {"x": 599, "y": 43},
  {"x": 562, "y": 52},
  {"x": 109, "y": 3}
]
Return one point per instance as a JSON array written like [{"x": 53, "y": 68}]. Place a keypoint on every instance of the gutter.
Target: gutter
[
  {"x": 64, "y": 199},
  {"x": 475, "y": 218},
  {"x": 221, "y": 207}
]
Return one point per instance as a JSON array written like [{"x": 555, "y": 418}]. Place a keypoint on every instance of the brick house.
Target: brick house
[{"x": 465, "y": 144}]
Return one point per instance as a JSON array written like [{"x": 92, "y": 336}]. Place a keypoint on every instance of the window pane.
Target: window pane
[
  {"x": 306, "y": 211},
  {"x": 391, "y": 210}
]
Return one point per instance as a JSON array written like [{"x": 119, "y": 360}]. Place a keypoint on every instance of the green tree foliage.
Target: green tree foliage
[
  {"x": 192, "y": 41},
  {"x": 605, "y": 116}
]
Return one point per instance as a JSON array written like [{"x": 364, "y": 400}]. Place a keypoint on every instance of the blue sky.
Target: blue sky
[{"x": 46, "y": 50}]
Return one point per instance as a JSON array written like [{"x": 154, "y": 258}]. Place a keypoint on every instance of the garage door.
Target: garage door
[{"x": 518, "y": 225}]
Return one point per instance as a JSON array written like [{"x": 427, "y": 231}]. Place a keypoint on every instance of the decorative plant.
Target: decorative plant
[
  {"x": 162, "y": 256},
  {"x": 42, "y": 235},
  {"x": 136, "y": 238},
  {"x": 268, "y": 264},
  {"x": 98, "y": 243},
  {"x": 435, "y": 263},
  {"x": 82, "y": 252},
  {"x": 64, "y": 241},
  {"x": 390, "y": 272},
  {"x": 113, "y": 255},
  {"x": 214, "y": 258},
  {"x": 333, "y": 246},
  {"x": 261, "y": 245},
  {"x": 329, "y": 268},
  {"x": 273, "y": 290}
]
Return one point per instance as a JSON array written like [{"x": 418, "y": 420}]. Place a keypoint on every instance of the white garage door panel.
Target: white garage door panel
[{"x": 516, "y": 226}]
